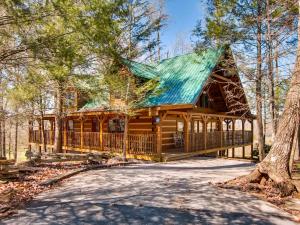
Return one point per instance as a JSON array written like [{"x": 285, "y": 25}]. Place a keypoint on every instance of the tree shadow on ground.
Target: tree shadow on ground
[{"x": 149, "y": 194}]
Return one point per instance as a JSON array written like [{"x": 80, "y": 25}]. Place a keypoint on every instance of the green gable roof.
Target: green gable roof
[{"x": 181, "y": 78}]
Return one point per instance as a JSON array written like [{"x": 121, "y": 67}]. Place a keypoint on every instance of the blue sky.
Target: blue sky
[{"x": 182, "y": 18}]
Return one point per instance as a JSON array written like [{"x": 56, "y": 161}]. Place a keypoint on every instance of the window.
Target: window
[
  {"x": 70, "y": 125},
  {"x": 180, "y": 126},
  {"x": 204, "y": 101},
  {"x": 116, "y": 125},
  {"x": 95, "y": 125},
  {"x": 70, "y": 99},
  {"x": 196, "y": 124},
  {"x": 201, "y": 127},
  {"x": 212, "y": 126}
]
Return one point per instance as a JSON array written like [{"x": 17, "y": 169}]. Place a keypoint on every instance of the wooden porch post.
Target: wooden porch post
[
  {"x": 243, "y": 137},
  {"x": 65, "y": 124},
  {"x": 162, "y": 116},
  {"x": 233, "y": 136},
  {"x": 81, "y": 133},
  {"x": 30, "y": 134},
  {"x": 186, "y": 119},
  {"x": 40, "y": 136},
  {"x": 227, "y": 129},
  {"x": 51, "y": 131},
  {"x": 252, "y": 130},
  {"x": 158, "y": 139},
  {"x": 205, "y": 131},
  {"x": 101, "y": 121},
  {"x": 221, "y": 133}
]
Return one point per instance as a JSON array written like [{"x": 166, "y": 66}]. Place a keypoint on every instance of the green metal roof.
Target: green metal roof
[
  {"x": 181, "y": 78},
  {"x": 141, "y": 70}
]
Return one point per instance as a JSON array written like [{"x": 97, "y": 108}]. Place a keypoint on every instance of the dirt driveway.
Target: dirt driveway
[{"x": 172, "y": 193}]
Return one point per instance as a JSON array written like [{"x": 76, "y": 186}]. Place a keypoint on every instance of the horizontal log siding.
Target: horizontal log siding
[
  {"x": 140, "y": 125},
  {"x": 168, "y": 129}
]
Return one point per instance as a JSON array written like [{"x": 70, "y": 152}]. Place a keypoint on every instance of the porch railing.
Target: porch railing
[
  {"x": 214, "y": 139},
  {"x": 145, "y": 143},
  {"x": 136, "y": 144}
]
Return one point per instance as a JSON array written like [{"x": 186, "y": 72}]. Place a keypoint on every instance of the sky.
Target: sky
[{"x": 182, "y": 19}]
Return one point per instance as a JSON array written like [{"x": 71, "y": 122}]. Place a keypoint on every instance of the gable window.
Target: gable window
[{"x": 116, "y": 125}]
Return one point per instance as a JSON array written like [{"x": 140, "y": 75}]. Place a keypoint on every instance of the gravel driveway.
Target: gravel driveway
[{"x": 166, "y": 193}]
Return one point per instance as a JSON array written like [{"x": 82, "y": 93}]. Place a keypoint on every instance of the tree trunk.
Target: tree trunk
[
  {"x": 16, "y": 139},
  {"x": 9, "y": 139},
  {"x": 294, "y": 150},
  {"x": 276, "y": 97},
  {"x": 276, "y": 166},
  {"x": 125, "y": 137},
  {"x": 259, "y": 84},
  {"x": 58, "y": 121},
  {"x": 1, "y": 134},
  {"x": 43, "y": 133},
  {"x": 270, "y": 72},
  {"x": 4, "y": 138}
]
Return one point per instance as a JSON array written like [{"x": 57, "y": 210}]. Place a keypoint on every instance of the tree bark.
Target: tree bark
[
  {"x": 259, "y": 83},
  {"x": 58, "y": 121},
  {"x": 293, "y": 152},
  {"x": 276, "y": 97}
]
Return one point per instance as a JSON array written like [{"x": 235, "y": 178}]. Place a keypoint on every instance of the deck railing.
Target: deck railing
[
  {"x": 214, "y": 139},
  {"x": 145, "y": 143},
  {"x": 113, "y": 142},
  {"x": 142, "y": 143},
  {"x": 73, "y": 139}
]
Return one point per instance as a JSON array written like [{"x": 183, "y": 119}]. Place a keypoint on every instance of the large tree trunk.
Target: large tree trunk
[
  {"x": 295, "y": 150},
  {"x": 276, "y": 166},
  {"x": 58, "y": 121},
  {"x": 276, "y": 97},
  {"x": 259, "y": 75}
]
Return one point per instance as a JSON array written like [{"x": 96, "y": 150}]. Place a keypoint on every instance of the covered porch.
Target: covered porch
[{"x": 153, "y": 137}]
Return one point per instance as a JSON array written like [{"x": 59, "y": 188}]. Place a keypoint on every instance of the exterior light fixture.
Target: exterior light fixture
[{"x": 156, "y": 119}]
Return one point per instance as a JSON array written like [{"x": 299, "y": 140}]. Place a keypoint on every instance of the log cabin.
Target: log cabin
[{"x": 202, "y": 109}]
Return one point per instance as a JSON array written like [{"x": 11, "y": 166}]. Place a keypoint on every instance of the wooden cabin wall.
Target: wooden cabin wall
[
  {"x": 168, "y": 129},
  {"x": 77, "y": 126},
  {"x": 142, "y": 124}
]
